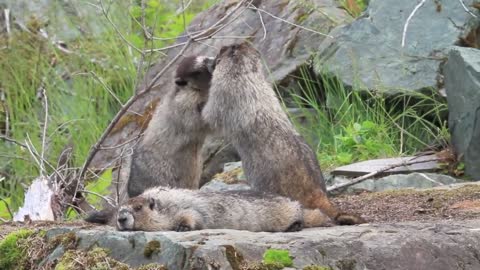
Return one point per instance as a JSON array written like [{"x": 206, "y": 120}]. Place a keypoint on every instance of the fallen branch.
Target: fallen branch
[
  {"x": 407, "y": 22},
  {"x": 372, "y": 174}
]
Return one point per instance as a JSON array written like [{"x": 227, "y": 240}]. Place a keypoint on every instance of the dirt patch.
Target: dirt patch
[{"x": 413, "y": 205}]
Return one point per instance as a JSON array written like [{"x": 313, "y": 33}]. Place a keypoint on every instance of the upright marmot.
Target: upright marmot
[
  {"x": 243, "y": 105},
  {"x": 169, "y": 152},
  {"x": 165, "y": 209}
]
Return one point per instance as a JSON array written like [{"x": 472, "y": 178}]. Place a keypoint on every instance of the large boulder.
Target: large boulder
[
  {"x": 368, "y": 53},
  {"x": 413, "y": 245},
  {"x": 462, "y": 83}
]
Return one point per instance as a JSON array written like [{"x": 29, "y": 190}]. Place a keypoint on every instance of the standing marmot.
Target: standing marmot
[
  {"x": 169, "y": 152},
  {"x": 243, "y": 105},
  {"x": 165, "y": 209}
]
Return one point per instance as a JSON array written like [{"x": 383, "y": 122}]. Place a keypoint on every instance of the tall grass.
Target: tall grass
[
  {"x": 346, "y": 125},
  {"x": 85, "y": 88}
]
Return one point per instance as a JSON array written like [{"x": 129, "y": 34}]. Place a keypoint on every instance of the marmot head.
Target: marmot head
[
  {"x": 238, "y": 59},
  {"x": 136, "y": 214},
  {"x": 194, "y": 73}
]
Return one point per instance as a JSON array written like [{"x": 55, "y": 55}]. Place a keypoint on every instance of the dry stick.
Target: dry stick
[
  {"x": 369, "y": 175},
  {"x": 44, "y": 134},
  {"x": 466, "y": 9},
  {"x": 405, "y": 27},
  {"x": 7, "y": 139}
]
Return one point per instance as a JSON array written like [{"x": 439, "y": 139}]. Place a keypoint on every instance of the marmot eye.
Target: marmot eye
[
  {"x": 180, "y": 82},
  {"x": 137, "y": 208}
]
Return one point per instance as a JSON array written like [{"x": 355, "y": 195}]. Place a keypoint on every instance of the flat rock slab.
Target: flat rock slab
[
  {"x": 365, "y": 167},
  {"x": 415, "y": 245}
]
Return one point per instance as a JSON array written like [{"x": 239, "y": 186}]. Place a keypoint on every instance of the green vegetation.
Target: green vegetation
[
  {"x": 84, "y": 88},
  {"x": 12, "y": 250},
  {"x": 354, "y": 7},
  {"x": 277, "y": 257},
  {"x": 345, "y": 125}
]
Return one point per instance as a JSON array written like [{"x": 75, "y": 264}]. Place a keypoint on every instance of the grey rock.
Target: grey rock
[
  {"x": 230, "y": 166},
  {"x": 401, "y": 181},
  {"x": 414, "y": 245},
  {"x": 368, "y": 53},
  {"x": 67, "y": 20},
  {"x": 462, "y": 82},
  {"x": 216, "y": 185},
  {"x": 423, "y": 164}
]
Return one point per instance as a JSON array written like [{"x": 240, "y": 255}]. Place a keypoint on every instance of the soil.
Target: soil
[{"x": 414, "y": 205}]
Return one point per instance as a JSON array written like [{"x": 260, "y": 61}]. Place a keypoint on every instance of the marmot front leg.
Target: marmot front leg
[{"x": 188, "y": 220}]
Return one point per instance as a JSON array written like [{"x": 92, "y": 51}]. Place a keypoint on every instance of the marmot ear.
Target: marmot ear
[{"x": 151, "y": 203}]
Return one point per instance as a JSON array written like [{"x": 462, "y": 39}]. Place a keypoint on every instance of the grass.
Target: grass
[
  {"x": 348, "y": 125},
  {"x": 84, "y": 88}
]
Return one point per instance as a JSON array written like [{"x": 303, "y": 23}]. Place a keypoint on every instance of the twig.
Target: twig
[
  {"x": 44, "y": 134},
  {"x": 405, "y": 27},
  {"x": 369, "y": 175},
  {"x": 98, "y": 195},
  {"x": 122, "y": 144},
  {"x": 105, "y": 13},
  {"x": 466, "y": 9},
  {"x": 7, "y": 139},
  {"x": 105, "y": 86},
  {"x": 8, "y": 207},
  {"x": 263, "y": 26},
  {"x": 288, "y": 22}
]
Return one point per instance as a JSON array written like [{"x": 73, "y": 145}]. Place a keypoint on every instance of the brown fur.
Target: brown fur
[
  {"x": 169, "y": 152},
  {"x": 243, "y": 105}
]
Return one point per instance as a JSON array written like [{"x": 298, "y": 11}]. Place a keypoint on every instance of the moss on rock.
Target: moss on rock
[
  {"x": 152, "y": 247},
  {"x": 13, "y": 249}
]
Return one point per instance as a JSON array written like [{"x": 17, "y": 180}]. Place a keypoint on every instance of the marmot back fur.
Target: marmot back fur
[{"x": 243, "y": 105}]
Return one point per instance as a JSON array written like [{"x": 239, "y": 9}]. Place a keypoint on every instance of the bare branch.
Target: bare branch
[
  {"x": 372, "y": 174},
  {"x": 288, "y": 22},
  {"x": 108, "y": 200},
  {"x": 466, "y": 9},
  {"x": 7, "y": 139},
  {"x": 407, "y": 22},
  {"x": 105, "y": 86}
]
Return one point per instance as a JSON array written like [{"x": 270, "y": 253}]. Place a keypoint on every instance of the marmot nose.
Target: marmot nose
[{"x": 122, "y": 219}]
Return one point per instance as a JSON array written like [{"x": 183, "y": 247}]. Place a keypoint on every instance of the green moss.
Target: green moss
[
  {"x": 317, "y": 267},
  {"x": 347, "y": 264},
  {"x": 12, "y": 251},
  {"x": 152, "y": 247},
  {"x": 95, "y": 259},
  {"x": 152, "y": 266},
  {"x": 277, "y": 257},
  {"x": 67, "y": 240}
]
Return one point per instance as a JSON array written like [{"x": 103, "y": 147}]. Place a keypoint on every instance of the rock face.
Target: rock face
[
  {"x": 67, "y": 20},
  {"x": 439, "y": 246},
  {"x": 368, "y": 53},
  {"x": 462, "y": 83}
]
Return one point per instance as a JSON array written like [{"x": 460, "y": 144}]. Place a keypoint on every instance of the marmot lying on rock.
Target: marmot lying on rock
[{"x": 165, "y": 209}]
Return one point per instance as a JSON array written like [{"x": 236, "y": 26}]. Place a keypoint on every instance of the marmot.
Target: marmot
[
  {"x": 169, "y": 152},
  {"x": 276, "y": 158},
  {"x": 165, "y": 209}
]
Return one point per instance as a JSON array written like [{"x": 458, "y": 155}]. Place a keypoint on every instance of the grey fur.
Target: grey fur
[
  {"x": 169, "y": 152},
  {"x": 164, "y": 209}
]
